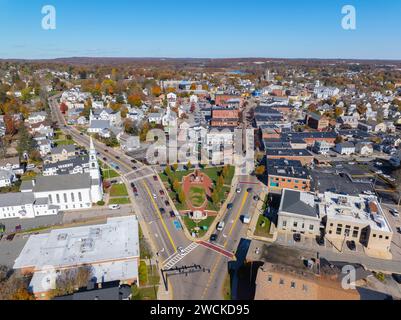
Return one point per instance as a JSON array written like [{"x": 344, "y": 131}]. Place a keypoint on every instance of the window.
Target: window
[
  {"x": 311, "y": 227},
  {"x": 65, "y": 198},
  {"x": 295, "y": 224},
  {"x": 281, "y": 282},
  {"x": 72, "y": 197},
  {"x": 270, "y": 279},
  {"x": 284, "y": 223},
  {"x": 50, "y": 199},
  {"x": 375, "y": 235},
  {"x": 331, "y": 224},
  {"x": 380, "y": 237},
  {"x": 355, "y": 234},
  {"x": 293, "y": 285},
  {"x": 305, "y": 288},
  {"x": 80, "y": 196},
  {"x": 58, "y": 198}
]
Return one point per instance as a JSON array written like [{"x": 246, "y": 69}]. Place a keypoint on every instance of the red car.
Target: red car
[
  {"x": 155, "y": 178},
  {"x": 161, "y": 192}
]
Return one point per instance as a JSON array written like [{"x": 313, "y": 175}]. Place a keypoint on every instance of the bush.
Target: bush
[{"x": 101, "y": 203}]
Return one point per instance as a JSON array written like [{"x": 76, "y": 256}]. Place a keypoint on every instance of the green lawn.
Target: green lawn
[
  {"x": 147, "y": 293},
  {"x": 190, "y": 224},
  {"x": 263, "y": 227},
  {"x": 118, "y": 190},
  {"x": 197, "y": 196},
  {"x": 213, "y": 173},
  {"x": 64, "y": 142},
  {"x": 119, "y": 201},
  {"x": 107, "y": 172},
  {"x": 143, "y": 273}
]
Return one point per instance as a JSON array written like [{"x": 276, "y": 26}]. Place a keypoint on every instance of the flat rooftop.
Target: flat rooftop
[
  {"x": 362, "y": 209},
  {"x": 118, "y": 239},
  {"x": 286, "y": 168}
]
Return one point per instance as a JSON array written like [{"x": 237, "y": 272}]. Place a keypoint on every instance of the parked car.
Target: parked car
[
  {"x": 114, "y": 207},
  {"x": 172, "y": 214},
  {"x": 239, "y": 190},
  {"x": 155, "y": 178},
  {"x": 351, "y": 245},
  {"x": 167, "y": 203},
  {"x": 154, "y": 196},
  {"x": 399, "y": 230},
  {"x": 320, "y": 241},
  {"x": 249, "y": 190},
  {"x": 230, "y": 206},
  {"x": 397, "y": 277},
  {"x": 297, "y": 237},
  {"x": 220, "y": 226},
  {"x": 181, "y": 250},
  {"x": 133, "y": 185},
  {"x": 213, "y": 237},
  {"x": 161, "y": 192},
  {"x": 113, "y": 181},
  {"x": 105, "y": 159},
  {"x": 10, "y": 237},
  {"x": 395, "y": 213}
]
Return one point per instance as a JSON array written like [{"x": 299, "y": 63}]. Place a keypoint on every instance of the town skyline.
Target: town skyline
[{"x": 311, "y": 29}]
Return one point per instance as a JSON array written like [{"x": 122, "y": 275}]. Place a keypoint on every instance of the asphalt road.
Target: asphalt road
[{"x": 164, "y": 234}]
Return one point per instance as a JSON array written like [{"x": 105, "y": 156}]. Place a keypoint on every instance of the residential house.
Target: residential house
[
  {"x": 7, "y": 178},
  {"x": 345, "y": 148}
]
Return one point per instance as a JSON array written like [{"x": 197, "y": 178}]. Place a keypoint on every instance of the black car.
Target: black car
[
  {"x": 256, "y": 198},
  {"x": 133, "y": 185},
  {"x": 213, "y": 237},
  {"x": 172, "y": 214},
  {"x": 230, "y": 206},
  {"x": 249, "y": 190},
  {"x": 297, "y": 237},
  {"x": 397, "y": 277},
  {"x": 351, "y": 245},
  {"x": 117, "y": 157},
  {"x": 162, "y": 211},
  {"x": 167, "y": 203},
  {"x": 106, "y": 150},
  {"x": 134, "y": 168},
  {"x": 320, "y": 241},
  {"x": 104, "y": 159}
]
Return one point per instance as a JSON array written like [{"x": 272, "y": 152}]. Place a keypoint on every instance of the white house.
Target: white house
[
  {"x": 7, "y": 178},
  {"x": 346, "y": 148},
  {"x": 101, "y": 127},
  {"x": 156, "y": 118},
  {"x": 364, "y": 148},
  {"x": 37, "y": 117}
]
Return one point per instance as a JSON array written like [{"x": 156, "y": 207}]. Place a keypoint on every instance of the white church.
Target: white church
[{"x": 48, "y": 195}]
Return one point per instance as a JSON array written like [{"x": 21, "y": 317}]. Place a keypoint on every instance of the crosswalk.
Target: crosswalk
[{"x": 177, "y": 257}]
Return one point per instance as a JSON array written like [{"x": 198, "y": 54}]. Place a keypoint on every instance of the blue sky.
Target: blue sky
[{"x": 202, "y": 28}]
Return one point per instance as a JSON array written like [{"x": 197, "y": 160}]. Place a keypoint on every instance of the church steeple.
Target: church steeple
[{"x": 93, "y": 164}]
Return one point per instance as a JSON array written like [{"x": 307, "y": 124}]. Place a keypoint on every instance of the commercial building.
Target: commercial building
[
  {"x": 298, "y": 213},
  {"x": 302, "y": 155},
  {"x": 287, "y": 174},
  {"x": 111, "y": 251},
  {"x": 281, "y": 282},
  {"x": 356, "y": 218}
]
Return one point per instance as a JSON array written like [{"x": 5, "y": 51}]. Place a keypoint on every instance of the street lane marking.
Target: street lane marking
[
  {"x": 177, "y": 257},
  {"x": 237, "y": 217},
  {"x": 225, "y": 244},
  {"x": 160, "y": 216}
]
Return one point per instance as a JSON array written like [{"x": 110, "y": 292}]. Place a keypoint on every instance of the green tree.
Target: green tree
[
  {"x": 25, "y": 141},
  {"x": 176, "y": 185},
  {"x": 181, "y": 196},
  {"x": 189, "y": 165},
  {"x": 175, "y": 167}
]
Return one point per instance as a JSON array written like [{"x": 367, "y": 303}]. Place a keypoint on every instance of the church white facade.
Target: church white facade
[{"x": 48, "y": 195}]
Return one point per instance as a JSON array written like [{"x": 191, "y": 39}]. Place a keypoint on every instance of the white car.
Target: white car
[
  {"x": 154, "y": 196},
  {"x": 239, "y": 190},
  {"x": 114, "y": 207},
  {"x": 395, "y": 213},
  {"x": 181, "y": 250}
]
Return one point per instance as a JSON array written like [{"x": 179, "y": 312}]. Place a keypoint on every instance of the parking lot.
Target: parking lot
[{"x": 10, "y": 250}]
